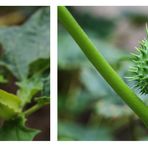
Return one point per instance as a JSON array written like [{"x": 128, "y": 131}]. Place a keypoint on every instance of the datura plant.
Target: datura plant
[
  {"x": 25, "y": 56},
  {"x": 139, "y": 70}
]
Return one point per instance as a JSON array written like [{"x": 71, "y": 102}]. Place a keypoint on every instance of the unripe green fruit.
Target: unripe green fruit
[{"x": 139, "y": 71}]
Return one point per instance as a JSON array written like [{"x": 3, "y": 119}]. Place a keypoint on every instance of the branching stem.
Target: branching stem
[{"x": 34, "y": 108}]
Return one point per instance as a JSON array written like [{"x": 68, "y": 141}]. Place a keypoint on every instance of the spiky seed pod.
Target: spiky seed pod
[{"x": 139, "y": 70}]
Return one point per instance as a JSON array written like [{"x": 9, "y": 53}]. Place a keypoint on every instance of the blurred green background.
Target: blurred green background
[{"x": 88, "y": 108}]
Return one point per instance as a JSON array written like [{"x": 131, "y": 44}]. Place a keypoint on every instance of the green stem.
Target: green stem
[
  {"x": 113, "y": 79},
  {"x": 34, "y": 108}
]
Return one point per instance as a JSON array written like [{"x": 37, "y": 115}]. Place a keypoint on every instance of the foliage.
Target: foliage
[
  {"x": 15, "y": 130},
  {"x": 25, "y": 56},
  {"x": 32, "y": 38}
]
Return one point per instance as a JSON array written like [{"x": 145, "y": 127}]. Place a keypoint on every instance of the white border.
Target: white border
[
  {"x": 53, "y": 76},
  {"x": 76, "y": 144},
  {"x": 102, "y": 2},
  {"x": 53, "y": 73},
  {"x": 25, "y": 2},
  {"x": 74, "y": 2}
]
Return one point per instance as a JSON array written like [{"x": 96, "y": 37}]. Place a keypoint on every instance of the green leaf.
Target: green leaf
[
  {"x": 74, "y": 131},
  {"x": 70, "y": 56},
  {"x": 26, "y": 44},
  {"x": 9, "y": 105},
  {"x": 28, "y": 88},
  {"x": 93, "y": 83},
  {"x": 46, "y": 86},
  {"x": 42, "y": 100},
  {"x": 39, "y": 66},
  {"x": 15, "y": 130},
  {"x": 2, "y": 79}
]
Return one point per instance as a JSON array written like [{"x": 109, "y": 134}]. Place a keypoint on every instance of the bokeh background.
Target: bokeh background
[
  {"x": 88, "y": 109},
  {"x": 15, "y": 16}
]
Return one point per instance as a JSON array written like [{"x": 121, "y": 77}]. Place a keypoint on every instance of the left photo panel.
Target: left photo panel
[{"x": 24, "y": 73}]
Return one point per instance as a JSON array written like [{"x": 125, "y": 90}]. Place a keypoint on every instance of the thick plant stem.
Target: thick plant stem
[{"x": 102, "y": 66}]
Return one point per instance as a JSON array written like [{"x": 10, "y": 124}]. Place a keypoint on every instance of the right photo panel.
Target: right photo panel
[{"x": 102, "y": 73}]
